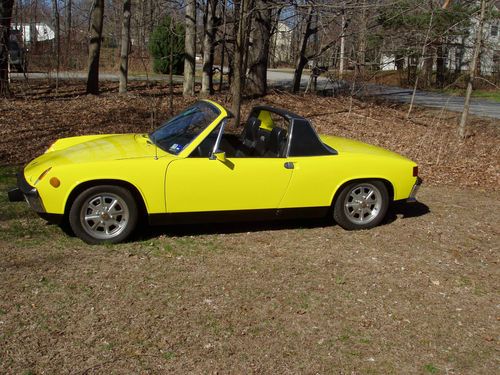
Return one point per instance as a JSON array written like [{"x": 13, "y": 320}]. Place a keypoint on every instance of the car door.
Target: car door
[
  {"x": 313, "y": 182},
  {"x": 317, "y": 170},
  {"x": 199, "y": 184}
]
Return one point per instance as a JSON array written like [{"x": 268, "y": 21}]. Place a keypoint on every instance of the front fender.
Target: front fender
[{"x": 147, "y": 176}]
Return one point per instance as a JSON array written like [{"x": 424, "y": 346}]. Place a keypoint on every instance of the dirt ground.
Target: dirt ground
[{"x": 417, "y": 295}]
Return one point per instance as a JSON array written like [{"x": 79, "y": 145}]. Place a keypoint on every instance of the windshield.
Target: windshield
[{"x": 178, "y": 132}]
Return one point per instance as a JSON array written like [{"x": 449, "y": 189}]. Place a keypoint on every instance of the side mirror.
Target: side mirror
[{"x": 220, "y": 156}]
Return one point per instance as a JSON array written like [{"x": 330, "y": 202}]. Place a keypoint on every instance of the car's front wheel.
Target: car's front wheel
[
  {"x": 104, "y": 213},
  {"x": 361, "y": 205}
]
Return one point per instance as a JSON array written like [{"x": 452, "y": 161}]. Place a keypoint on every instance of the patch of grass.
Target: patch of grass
[
  {"x": 48, "y": 284},
  {"x": 493, "y": 95},
  {"x": 108, "y": 346},
  {"x": 169, "y": 355},
  {"x": 344, "y": 338},
  {"x": 305, "y": 301},
  {"x": 431, "y": 369},
  {"x": 340, "y": 280},
  {"x": 464, "y": 281},
  {"x": 7, "y": 175}
]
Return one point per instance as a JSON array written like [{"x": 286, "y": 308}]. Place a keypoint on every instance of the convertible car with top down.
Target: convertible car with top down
[{"x": 192, "y": 170}]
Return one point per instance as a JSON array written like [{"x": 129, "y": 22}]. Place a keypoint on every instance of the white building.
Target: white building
[
  {"x": 281, "y": 44},
  {"x": 39, "y": 31},
  {"x": 460, "y": 50}
]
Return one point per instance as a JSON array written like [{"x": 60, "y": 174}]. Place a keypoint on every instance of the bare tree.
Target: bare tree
[
  {"x": 190, "y": 48},
  {"x": 69, "y": 25},
  {"x": 125, "y": 46},
  {"x": 472, "y": 71},
  {"x": 171, "y": 68},
  {"x": 342, "y": 42},
  {"x": 241, "y": 12},
  {"x": 223, "y": 43},
  {"x": 302, "y": 59},
  {"x": 96, "y": 24},
  {"x": 5, "y": 18},
  {"x": 208, "y": 48},
  {"x": 424, "y": 48},
  {"x": 261, "y": 36},
  {"x": 362, "y": 37},
  {"x": 57, "y": 39}
]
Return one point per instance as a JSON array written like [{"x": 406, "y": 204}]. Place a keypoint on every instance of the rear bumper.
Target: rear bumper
[
  {"x": 25, "y": 191},
  {"x": 412, "y": 198}
]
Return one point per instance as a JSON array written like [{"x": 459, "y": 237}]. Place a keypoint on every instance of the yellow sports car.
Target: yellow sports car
[{"x": 190, "y": 170}]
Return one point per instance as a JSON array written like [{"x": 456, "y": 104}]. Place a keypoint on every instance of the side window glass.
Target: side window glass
[{"x": 206, "y": 147}]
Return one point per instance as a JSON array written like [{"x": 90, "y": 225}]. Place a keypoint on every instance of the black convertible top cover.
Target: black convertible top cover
[{"x": 303, "y": 139}]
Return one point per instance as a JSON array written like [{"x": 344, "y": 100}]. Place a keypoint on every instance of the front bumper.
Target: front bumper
[
  {"x": 25, "y": 191},
  {"x": 412, "y": 198}
]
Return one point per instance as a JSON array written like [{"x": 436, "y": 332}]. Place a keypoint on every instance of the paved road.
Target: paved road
[
  {"x": 479, "y": 107},
  {"x": 275, "y": 77},
  {"x": 283, "y": 79}
]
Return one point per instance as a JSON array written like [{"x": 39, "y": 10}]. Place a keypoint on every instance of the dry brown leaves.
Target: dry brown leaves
[{"x": 33, "y": 120}]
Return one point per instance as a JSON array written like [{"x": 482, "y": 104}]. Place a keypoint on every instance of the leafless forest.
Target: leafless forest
[{"x": 231, "y": 44}]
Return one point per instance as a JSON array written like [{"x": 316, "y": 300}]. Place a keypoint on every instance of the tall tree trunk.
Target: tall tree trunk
[
  {"x": 472, "y": 71},
  {"x": 440, "y": 54},
  {"x": 302, "y": 58},
  {"x": 208, "y": 49},
  {"x": 57, "y": 39},
  {"x": 5, "y": 19},
  {"x": 257, "y": 75},
  {"x": 241, "y": 10},
  {"x": 223, "y": 44},
  {"x": 171, "y": 68},
  {"x": 69, "y": 6},
  {"x": 440, "y": 64},
  {"x": 427, "y": 68},
  {"x": 125, "y": 47},
  {"x": 424, "y": 49},
  {"x": 246, "y": 43},
  {"x": 362, "y": 39},
  {"x": 342, "y": 45},
  {"x": 96, "y": 23},
  {"x": 190, "y": 48},
  {"x": 34, "y": 35}
]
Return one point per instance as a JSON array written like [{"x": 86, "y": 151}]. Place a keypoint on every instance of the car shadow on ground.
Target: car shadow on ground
[
  {"x": 182, "y": 230},
  {"x": 397, "y": 210},
  {"x": 405, "y": 210}
]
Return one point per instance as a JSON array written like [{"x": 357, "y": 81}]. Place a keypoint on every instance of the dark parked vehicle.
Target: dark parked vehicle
[{"x": 17, "y": 53}]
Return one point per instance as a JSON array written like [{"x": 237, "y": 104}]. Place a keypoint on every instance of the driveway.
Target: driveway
[{"x": 478, "y": 107}]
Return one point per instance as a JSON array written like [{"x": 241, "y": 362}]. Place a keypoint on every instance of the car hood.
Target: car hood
[
  {"x": 350, "y": 146},
  {"x": 90, "y": 149}
]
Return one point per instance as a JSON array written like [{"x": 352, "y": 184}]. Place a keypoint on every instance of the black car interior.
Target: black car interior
[
  {"x": 257, "y": 141},
  {"x": 254, "y": 141}
]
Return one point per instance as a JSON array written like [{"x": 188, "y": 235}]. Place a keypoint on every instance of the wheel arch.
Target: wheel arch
[
  {"x": 387, "y": 183},
  {"x": 141, "y": 204}
]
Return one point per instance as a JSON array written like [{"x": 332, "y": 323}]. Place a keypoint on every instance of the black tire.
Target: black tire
[
  {"x": 104, "y": 214},
  {"x": 355, "y": 208}
]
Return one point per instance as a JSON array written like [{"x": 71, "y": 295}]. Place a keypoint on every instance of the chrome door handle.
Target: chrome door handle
[{"x": 289, "y": 165}]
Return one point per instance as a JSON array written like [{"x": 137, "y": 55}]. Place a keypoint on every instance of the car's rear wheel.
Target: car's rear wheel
[
  {"x": 104, "y": 213},
  {"x": 361, "y": 205}
]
